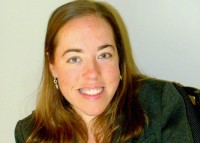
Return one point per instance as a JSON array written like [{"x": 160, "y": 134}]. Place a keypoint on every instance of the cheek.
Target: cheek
[
  {"x": 111, "y": 71},
  {"x": 111, "y": 78},
  {"x": 67, "y": 78}
]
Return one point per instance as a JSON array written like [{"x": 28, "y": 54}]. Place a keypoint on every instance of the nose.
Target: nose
[{"x": 91, "y": 70}]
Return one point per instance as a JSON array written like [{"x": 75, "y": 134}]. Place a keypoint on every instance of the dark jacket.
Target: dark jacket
[{"x": 164, "y": 107}]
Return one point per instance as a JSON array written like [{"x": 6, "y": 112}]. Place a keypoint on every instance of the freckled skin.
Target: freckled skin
[{"x": 86, "y": 58}]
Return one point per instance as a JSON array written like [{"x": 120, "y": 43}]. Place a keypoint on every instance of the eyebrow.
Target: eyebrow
[
  {"x": 72, "y": 50},
  {"x": 81, "y": 51},
  {"x": 106, "y": 46}
]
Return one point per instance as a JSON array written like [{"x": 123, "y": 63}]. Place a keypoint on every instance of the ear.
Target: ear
[{"x": 51, "y": 66}]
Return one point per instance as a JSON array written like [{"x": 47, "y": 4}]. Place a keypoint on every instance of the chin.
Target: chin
[{"x": 95, "y": 112}]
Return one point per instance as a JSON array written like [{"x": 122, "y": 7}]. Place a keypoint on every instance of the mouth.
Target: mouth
[{"x": 91, "y": 92}]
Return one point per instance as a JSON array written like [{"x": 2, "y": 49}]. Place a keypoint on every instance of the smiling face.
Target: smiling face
[{"x": 86, "y": 64}]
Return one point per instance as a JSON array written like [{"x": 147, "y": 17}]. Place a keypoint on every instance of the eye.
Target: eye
[
  {"x": 105, "y": 56},
  {"x": 74, "y": 60}
]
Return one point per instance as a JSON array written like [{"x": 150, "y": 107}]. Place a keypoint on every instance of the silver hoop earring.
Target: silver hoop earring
[
  {"x": 120, "y": 77},
  {"x": 55, "y": 80}
]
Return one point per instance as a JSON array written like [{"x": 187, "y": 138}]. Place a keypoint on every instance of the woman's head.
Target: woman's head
[
  {"x": 80, "y": 11},
  {"x": 86, "y": 51},
  {"x": 86, "y": 64}
]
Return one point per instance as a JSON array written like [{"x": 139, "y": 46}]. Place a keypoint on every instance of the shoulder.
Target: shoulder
[
  {"x": 23, "y": 128},
  {"x": 155, "y": 86},
  {"x": 156, "y": 91},
  {"x": 165, "y": 109},
  {"x": 156, "y": 96}
]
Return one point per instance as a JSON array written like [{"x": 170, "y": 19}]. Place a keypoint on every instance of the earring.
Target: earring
[
  {"x": 120, "y": 77},
  {"x": 55, "y": 80}
]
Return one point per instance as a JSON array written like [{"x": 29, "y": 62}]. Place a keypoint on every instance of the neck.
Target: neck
[{"x": 91, "y": 137}]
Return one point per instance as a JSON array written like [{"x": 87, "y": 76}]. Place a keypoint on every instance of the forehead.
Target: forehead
[{"x": 85, "y": 24}]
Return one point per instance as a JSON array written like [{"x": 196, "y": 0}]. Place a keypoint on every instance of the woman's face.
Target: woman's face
[{"x": 86, "y": 64}]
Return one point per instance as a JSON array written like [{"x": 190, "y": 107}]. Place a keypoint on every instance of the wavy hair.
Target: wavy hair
[{"x": 55, "y": 120}]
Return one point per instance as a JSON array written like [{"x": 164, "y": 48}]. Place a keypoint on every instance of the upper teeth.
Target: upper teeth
[{"x": 91, "y": 91}]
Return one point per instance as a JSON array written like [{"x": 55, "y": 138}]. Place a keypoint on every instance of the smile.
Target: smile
[{"x": 91, "y": 91}]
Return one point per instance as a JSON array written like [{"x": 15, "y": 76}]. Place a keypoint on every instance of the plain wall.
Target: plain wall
[{"x": 165, "y": 36}]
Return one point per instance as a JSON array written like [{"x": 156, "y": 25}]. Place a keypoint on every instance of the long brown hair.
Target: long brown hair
[{"x": 55, "y": 120}]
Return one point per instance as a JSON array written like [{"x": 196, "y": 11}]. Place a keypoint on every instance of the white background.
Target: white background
[{"x": 165, "y": 36}]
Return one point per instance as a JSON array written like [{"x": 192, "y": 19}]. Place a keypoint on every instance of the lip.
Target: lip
[{"x": 93, "y": 93}]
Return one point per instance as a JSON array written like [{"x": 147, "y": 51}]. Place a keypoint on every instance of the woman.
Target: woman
[{"x": 92, "y": 92}]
